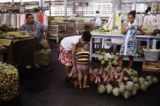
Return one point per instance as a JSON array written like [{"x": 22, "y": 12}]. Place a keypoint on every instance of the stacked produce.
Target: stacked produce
[
  {"x": 57, "y": 20},
  {"x": 7, "y": 28},
  {"x": 104, "y": 29},
  {"x": 42, "y": 57},
  {"x": 111, "y": 79},
  {"x": 9, "y": 8},
  {"x": 16, "y": 34},
  {"x": 8, "y": 82}
]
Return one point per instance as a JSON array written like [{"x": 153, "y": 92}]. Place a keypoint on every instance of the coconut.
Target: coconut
[
  {"x": 135, "y": 79},
  {"x": 134, "y": 92},
  {"x": 115, "y": 62},
  {"x": 103, "y": 53},
  {"x": 149, "y": 78},
  {"x": 155, "y": 80},
  {"x": 126, "y": 94},
  {"x": 129, "y": 85},
  {"x": 136, "y": 86},
  {"x": 118, "y": 69},
  {"x": 143, "y": 87},
  {"x": 106, "y": 59},
  {"x": 134, "y": 73},
  {"x": 97, "y": 52},
  {"x": 122, "y": 87},
  {"x": 115, "y": 92},
  {"x": 126, "y": 78},
  {"x": 141, "y": 80},
  {"x": 109, "y": 88},
  {"x": 102, "y": 62},
  {"x": 100, "y": 58},
  {"x": 147, "y": 83},
  {"x": 101, "y": 89}
]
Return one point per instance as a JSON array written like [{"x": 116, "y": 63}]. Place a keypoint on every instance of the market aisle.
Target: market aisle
[{"x": 48, "y": 88}]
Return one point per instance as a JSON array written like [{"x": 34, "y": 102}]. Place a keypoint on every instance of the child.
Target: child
[
  {"x": 81, "y": 61},
  {"x": 129, "y": 46}
]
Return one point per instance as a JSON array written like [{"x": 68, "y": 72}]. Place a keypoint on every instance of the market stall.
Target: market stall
[{"x": 20, "y": 49}]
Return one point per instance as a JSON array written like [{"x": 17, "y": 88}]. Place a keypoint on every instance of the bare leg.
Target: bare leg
[
  {"x": 80, "y": 78},
  {"x": 130, "y": 62},
  {"x": 67, "y": 70},
  {"x": 120, "y": 60},
  {"x": 85, "y": 78}
]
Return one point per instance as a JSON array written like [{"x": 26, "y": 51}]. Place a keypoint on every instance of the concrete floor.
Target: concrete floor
[{"x": 48, "y": 88}]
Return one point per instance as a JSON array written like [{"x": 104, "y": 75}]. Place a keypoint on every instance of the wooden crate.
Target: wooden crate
[{"x": 151, "y": 66}]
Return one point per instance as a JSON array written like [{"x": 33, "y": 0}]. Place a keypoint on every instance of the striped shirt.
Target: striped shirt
[{"x": 82, "y": 57}]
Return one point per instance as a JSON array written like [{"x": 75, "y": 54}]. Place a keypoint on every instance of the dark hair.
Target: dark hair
[
  {"x": 86, "y": 36},
  {"x": 147, "y": 10},
  {"x": 97, "y": 12},
  {"x": 133, "y": 13},
  {"x": 27, "y": 15}
]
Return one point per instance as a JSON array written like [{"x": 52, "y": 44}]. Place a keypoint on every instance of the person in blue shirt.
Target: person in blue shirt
[{"x": 32, "y": 26}]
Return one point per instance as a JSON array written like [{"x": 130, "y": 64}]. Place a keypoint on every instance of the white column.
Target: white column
[
  {"x": 65, "y": 9},
  {"x": 41, "y": 3},
  {"x": 154, "y": 43}
]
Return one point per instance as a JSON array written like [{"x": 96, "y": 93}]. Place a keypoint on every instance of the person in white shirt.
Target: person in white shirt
[
  {"x": 66, "y": 46},
  {"x": 98, "y": 21}
]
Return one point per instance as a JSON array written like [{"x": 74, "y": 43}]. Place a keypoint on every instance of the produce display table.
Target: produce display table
[
  {"x": 20, "y": 51},
  {"x": 147, "y": 38}
]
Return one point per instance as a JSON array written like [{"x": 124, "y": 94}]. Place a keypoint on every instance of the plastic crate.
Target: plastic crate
[{"x": 151, "y": 55}]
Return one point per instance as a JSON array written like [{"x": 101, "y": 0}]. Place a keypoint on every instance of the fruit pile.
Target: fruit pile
[
  {"x": 42, "y": 57},
  {"x": 103, "y": 29},
  {"x": 7, "y": 28},
  {"x": 17, "y": 34},
  {"x": 128, "y": 86},
  {"x": 111, "y": 79},
  {"x": 9, "y": 83}
]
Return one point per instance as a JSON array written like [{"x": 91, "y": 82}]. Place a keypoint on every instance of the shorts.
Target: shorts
[
  {"x": 65, "y": 56},
  {"x": 82, "y": 67}
]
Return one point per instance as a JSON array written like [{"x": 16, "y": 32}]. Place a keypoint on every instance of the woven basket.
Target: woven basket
[{"x": 151, "y": 55}]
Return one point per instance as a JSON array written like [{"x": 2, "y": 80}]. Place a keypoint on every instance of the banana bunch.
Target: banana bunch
[{"x": 9, "y": 82}]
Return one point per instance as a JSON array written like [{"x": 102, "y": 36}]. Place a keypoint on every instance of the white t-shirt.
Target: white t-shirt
[
  {"x": 98, "y": 21},
  {"x": 67, "y": 42}
]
